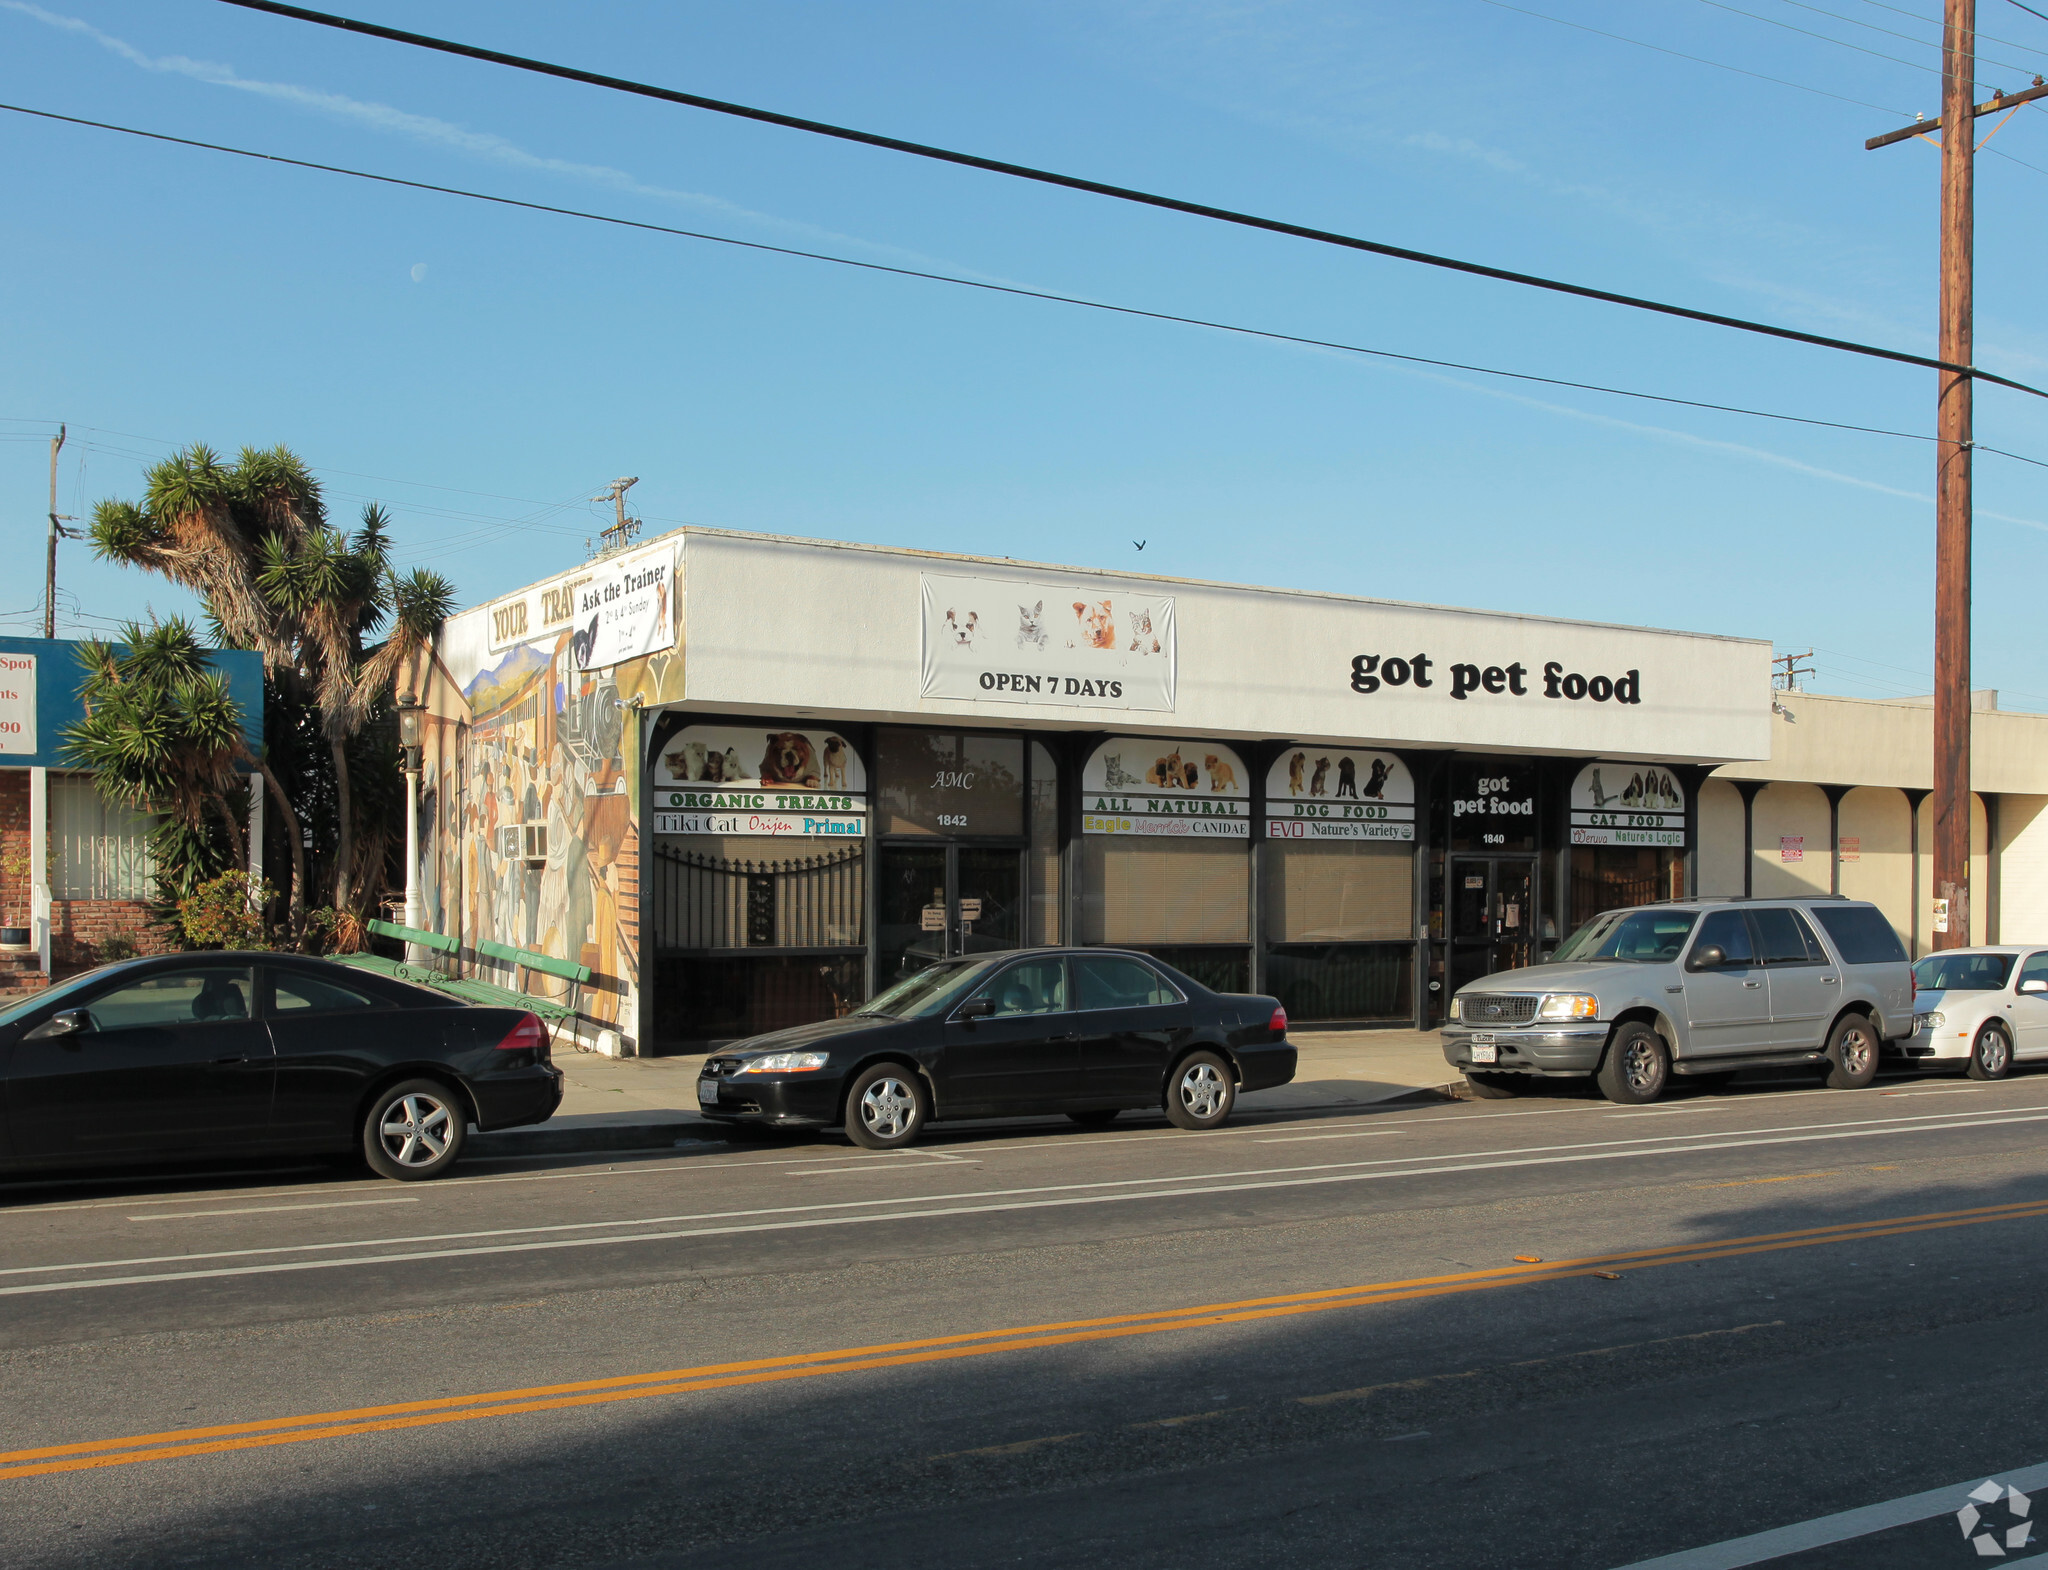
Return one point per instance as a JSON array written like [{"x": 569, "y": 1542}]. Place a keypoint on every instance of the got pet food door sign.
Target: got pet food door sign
[
  {"x": 1004, "y": 640},
  {"x": 721, "y": 779}
]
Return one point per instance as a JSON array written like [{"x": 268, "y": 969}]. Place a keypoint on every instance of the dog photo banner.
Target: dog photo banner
[
  {"x": 726, "y": 779},
  {"x": 1337, "y": 793},
  {"x": 624, "y": 609},
  {"x": 1176, "y": 789},
  {"x": 1008, "y": 640},
  {"x": 1627, "y": 804}
]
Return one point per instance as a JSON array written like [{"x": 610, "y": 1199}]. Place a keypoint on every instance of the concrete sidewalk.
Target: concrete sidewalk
[{"x": 649, "y": 1103}]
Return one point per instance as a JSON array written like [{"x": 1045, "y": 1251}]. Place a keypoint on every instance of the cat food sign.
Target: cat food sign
[
  {"x": 1173, "y": 789},
  {"x": 1006, "y": 640},
  {"x": 1627, "y": 804}
]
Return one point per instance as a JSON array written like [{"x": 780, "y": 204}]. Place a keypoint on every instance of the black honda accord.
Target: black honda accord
[
  {"x": 1088, "y": 1032},
  {"x": 197, "y": 1056}
]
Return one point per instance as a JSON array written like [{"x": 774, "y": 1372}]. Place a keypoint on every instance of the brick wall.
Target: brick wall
[
  {"x": 14, "y": 848},
  {"x": 80, "y": 928}
]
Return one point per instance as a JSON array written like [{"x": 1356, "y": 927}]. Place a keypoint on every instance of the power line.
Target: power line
[
  {"x": 1925, "y": 43},
  {"x": 1102, "y": 188},
  {"x": 1803, "y": 32},
  {"x": 986, "y": 287},
  {"x": 1934, "y": 22}
]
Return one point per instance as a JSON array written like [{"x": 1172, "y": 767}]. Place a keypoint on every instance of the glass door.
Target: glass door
[
  {"x": 939, "y": 900},
  {"x": 1492, "y": 916}
]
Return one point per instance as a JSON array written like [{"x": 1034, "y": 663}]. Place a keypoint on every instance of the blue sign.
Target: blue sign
[{"x": 41, "y": 713}]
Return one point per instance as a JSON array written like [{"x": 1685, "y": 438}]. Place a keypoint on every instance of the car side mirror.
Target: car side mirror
[
  {"x": 66, "y": 1022},
  {"x": 976, "y": 1008},
  {"x": 1708, "y": 956},
  {"x": 2034, "y": 986}
]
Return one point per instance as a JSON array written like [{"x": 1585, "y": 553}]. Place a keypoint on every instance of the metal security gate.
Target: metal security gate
[{"x": 801, "y": 902}]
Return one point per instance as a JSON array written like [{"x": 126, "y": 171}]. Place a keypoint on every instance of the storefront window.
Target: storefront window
[
  {"x": 1165, "y": 842},
  {"x": 1627, "y": 836},
  {"x": 1610, "y": 877},
  {"x": 942, "y": 782}
]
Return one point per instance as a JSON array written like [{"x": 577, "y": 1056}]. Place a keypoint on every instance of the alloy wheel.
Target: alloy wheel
[
  {"x": 1993, "y": 1052},
  {"x": 887, "y": 1108},
  {"x": 1856, "y": 1050},
  {"x": 1640, "y": 1064},
  {"x": 416, "y": 1129},
  {"x": 1202, "y": 1090}
]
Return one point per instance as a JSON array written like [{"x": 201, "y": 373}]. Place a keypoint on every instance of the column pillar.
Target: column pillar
[
  {"x": 39, "y": 903},
  {"x": 1749, "y": 788}
]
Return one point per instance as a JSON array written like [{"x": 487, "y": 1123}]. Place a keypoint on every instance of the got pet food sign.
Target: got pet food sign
[
  {"x": 721, "y": 779},
  {"x": 1176, "y": 789},
  {"x": 1327, "y": 793},
  {"x": 1627, "y": 804},
  {"x": 1003, "y": 640}
]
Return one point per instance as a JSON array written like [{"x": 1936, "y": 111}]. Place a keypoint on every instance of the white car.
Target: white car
[{"x": 1980, "y": 1009}]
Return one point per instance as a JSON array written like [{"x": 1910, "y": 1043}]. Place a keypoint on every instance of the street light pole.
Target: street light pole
[{"x": 410, "y": 711}]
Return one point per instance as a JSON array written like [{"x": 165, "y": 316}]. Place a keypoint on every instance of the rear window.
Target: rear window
[{"x": 1862, "y": 934}]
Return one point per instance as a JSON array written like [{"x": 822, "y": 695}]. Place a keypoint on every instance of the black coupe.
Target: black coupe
[
  {"x": 194, "y": 1056},
  {"x": 1085, "y": 1031}
]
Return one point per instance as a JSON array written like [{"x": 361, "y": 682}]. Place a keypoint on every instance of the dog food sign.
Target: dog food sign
[
  {"x": 1177, "y": 789},
  {"x": 1627, "y": 804},
  {"x": 1006, "y": 640},
  {"x": 725, "y": 779},
  {"x": 1328, "y": 793}
]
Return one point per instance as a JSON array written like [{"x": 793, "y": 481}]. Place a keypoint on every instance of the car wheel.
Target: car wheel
[
  {"x": 1201, "y": 1092},
  {"x": 1494, "y": 1087},
  {"x": 1637, "y": 1067},
  {"x": 1991, "y": 1054},
  {"x": 885, "y": 1107},
  {"x": 414, "y": 1130},
  {"x": 1853, "y": 1047},
  {"x": 1096, "y": 1117}
]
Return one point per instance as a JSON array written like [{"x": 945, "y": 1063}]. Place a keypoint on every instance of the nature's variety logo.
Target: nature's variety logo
[{"x": 1995, "y": 1538}]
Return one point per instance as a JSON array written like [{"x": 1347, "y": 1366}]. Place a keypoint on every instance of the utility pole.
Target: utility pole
[
  {"x": 620, "y": 534},
  {"x": 57, "y": 531},
  {"x": 1952, "y": 507},
  {"x": 1787, "y": 680}
]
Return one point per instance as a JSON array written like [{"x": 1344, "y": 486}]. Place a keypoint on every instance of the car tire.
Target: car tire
[
  {"x": 886, "y": 1107},
  {"x": 414, "y": 1130},
  {"x": 1991, "y": 1052},
  {"x": 1200, "y": 1092},
  {"x": 1493, "y": 1087},
  {"x": 1637, "y": 1068},
  {"x": 1853, "y": 1049},
  {"x": 1096, "y": 1117}
]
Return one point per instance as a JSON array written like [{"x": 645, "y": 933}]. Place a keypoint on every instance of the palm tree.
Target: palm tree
[{"x": 252, "y": 539}]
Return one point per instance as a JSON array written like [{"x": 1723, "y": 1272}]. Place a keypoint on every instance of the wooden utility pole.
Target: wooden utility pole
[
  {"x": 1952, "y": 481},
  {"x": 1959, "y": 113},
  {"x": 57, "y": 532}
]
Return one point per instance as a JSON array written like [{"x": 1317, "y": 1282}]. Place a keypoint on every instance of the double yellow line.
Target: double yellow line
[{"x": 183, "y": 1442}]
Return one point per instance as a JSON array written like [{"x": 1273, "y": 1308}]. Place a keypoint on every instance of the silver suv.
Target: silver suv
[{"x": 1700, "y": 987}]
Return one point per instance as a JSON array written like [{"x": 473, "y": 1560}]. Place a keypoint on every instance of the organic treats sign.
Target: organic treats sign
[
  {"x": 17, "y": 703},
  {"x": 1330, "y": 793},
  {"x": 723, "y": 779},
  {"x": 1628, "y": 804},
  {"x": 624, "y": 609},
  {"x": 1182, "y": 789},
  {"x": 1004, "y": 640}
]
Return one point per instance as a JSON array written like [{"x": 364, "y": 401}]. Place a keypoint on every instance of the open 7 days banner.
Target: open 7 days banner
[{"x": 1005, "y": 640}]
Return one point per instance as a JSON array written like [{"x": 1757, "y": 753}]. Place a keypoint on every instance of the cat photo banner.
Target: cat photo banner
[
  {"x": 624, "y": 609},
  {"x": 1627, "y": 804},
  {"x": 1007, "y": 640},
  {"x": 1337, "y": 793},
  {"x": 1170, "y": 789}
]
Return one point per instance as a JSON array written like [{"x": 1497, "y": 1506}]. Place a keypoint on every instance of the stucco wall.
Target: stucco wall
[
  {"x": 1721, "y": 851},
  {"x": 1881, "y": 870},
  {"x": 2023, "y": 869}
]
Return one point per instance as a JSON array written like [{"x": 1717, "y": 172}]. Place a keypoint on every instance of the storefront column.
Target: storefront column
[
  {"x": 1692, "y": 777},
  {"x": 1834, "y": 794},
  {"x": 39, "y": 904},
  {"x": 1426, "y": 769},
  {"x": 1258, "y": 759},
  {"x": 1749, "y": 788},
  {"x": 1994, "y": 879},
  {"x": 1913, "y": 800}
]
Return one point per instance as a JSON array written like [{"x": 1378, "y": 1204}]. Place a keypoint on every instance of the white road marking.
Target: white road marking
[
  {"x": 1299, "y": 1139},
  {"x": 1784, "y": 1541},
  {"x": 267, "y": 1210},
  {"x": 1570, "y": 1155}
]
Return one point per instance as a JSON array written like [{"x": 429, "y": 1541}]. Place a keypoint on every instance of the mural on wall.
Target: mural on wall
[
  {"x": 529, "y": 830},
  {"x": 1329, "y": 793},
  {"x": 1627, "y": 804}
]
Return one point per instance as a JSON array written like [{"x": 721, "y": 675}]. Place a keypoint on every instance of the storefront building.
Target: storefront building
[{"x": 750, "y": 780}]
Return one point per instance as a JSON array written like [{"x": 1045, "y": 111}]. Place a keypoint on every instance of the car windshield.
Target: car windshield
[
  {"x": 1647, "y": 936},
  {"x": 931, "y": 990},
  {"x": 1962, "y": 972}
]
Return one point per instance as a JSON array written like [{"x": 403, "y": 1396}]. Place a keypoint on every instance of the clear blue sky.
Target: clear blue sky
[{"x": 484, "y": 371}]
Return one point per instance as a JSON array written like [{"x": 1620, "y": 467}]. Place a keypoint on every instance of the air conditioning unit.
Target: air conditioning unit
[
  {"x": 508, "y": 841},
  {"x": 536, "y": 842}
]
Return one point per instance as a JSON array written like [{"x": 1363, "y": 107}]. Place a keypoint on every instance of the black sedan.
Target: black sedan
[
  {"x": 1088, "y": 1032},
  {"x": 197, "y": 1056}
]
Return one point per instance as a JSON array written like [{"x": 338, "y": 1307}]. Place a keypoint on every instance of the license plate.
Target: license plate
[
  {"x": 707, "y": 1092},
  {"x": 1484, "y": 1051}
]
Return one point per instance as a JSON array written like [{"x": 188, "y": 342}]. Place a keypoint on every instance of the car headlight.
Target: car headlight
[
  {"x": 784, "y": 1063},
  {"x": 1569, "y": 1005},
  {"x": 1457, "y": 1006},
  {"x": 1929, "y": 1021}
]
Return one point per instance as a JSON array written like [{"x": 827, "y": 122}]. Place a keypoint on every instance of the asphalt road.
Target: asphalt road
[{"x": 1301, "y": 1337}]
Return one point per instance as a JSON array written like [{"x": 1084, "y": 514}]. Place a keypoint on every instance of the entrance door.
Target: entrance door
[
  {"x": 1492, "y": 916},
  {"x": 939, "y": 900}
]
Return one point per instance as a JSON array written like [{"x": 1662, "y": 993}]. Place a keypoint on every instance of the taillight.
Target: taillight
[
  {"x": 528, "y": 1035},
  {"x": 1278, "y": 1023}
]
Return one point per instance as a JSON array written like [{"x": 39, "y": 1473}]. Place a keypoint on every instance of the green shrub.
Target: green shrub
[{"x": 222, "y": 913}]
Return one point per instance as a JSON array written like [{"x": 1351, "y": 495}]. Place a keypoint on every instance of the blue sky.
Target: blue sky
[{"x": 483, "y": 372}]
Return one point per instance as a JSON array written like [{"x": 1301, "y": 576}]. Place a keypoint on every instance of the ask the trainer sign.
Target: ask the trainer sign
[{"x": 1007, "y": 640}]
